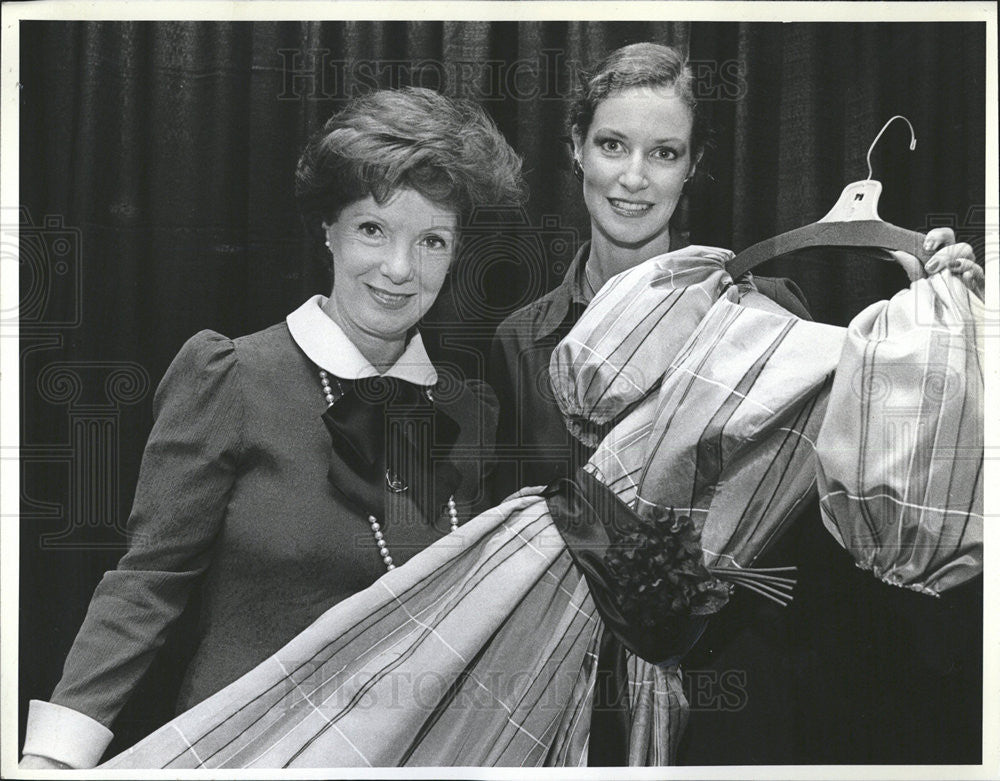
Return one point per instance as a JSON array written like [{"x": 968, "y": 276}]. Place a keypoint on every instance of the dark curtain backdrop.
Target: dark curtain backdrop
[{"x": 156, "y": 188}]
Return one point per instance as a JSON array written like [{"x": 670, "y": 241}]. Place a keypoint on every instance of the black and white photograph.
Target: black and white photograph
[{"x": 503, "y": 390}]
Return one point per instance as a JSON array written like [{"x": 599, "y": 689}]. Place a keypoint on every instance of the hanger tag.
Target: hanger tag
[{"x": 858, "y": 201}]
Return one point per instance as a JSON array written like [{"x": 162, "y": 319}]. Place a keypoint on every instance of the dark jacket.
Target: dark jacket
[{"x": 239, "y": 493}]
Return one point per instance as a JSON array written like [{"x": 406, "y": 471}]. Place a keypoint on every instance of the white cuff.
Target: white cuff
[{"x": 65, "y": 735}]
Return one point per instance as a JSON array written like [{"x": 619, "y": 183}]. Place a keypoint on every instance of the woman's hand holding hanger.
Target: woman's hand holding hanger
[{"x": 959, "y": 258}]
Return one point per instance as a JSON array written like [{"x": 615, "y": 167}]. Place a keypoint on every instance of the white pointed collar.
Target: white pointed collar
[{"x": 326, "y": 345}]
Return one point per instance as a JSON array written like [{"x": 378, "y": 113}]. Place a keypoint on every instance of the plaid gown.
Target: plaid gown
[{"x": 482, "y": 650}]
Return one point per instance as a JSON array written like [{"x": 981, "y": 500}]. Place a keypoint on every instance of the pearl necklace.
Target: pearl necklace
[{"x": 393, "y": 483}]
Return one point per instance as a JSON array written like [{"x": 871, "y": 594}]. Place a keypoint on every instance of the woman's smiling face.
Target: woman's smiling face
[
  {"x": 635, "y": 158},
  {"x": 390, "y": 261}
]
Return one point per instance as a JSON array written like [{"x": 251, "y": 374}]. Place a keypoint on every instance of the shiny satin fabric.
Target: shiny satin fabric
[
  {"x": 482, "y": 650},
  {"x": 485, "y": 648},
  {"x": 738, "y": 396},
  {"x": 591, "y": 519},
  {"x": 618, "y": 350},
  {"x": 728, "y": 429},
  {"x": 383, "y": 429},
  {"x": 901, "y": 460},
  {"x": 730, "y": 444}
]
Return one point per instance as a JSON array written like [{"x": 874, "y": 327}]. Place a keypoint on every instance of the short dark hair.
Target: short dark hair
[
  {"x": 448, "y": 150},
  {"x": 638, "y": 65}
]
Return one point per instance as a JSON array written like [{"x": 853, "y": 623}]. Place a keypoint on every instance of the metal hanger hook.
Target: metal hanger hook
[{"x": 913, "y": 139}]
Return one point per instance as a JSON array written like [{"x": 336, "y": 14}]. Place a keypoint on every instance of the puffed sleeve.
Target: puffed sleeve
[
  {"x": 900, "y": 455},
  {"x": 630, "y": 333},
  {"x": 187, "y": 472}
]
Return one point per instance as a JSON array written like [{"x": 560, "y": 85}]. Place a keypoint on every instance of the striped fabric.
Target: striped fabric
[
  {"x": 628, "y": 334},
  {"x": 729, "y": 440},
  {"x": 480, "y": 651},
  {"x": 901, "y": 461},
  {"x": 729, "y": 436}
]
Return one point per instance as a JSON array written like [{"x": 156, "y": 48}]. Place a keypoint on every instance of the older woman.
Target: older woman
[{"x": 288, "y": 469}]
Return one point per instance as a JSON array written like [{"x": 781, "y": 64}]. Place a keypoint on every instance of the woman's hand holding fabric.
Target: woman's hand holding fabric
[{"x": 958, "y": 258}]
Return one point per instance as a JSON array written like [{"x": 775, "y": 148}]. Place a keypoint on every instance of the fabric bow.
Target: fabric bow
[{"x": 388, "y": 430}]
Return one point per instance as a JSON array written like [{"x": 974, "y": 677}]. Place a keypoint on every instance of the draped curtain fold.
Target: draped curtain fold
[
  {"x": 172, "y": 145},
  {"x": 168, "y": 150}
]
